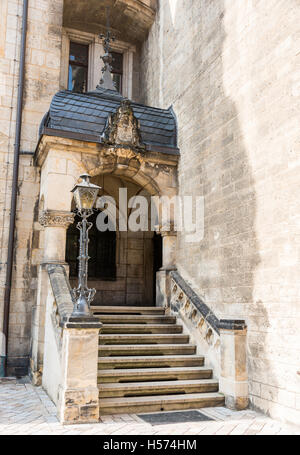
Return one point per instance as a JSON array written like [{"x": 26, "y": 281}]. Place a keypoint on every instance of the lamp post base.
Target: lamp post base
[{"x": 81, "y": 308}]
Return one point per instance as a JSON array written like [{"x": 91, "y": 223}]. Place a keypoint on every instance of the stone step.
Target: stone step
[
  {"x": 133, "y": 389},
  {"x": 141, "y": 328},
  {"x": 143, "y": 339},
  {"x": 133, "y": 405},
  {"x": 158, "y": 361},
  {"x": 153, "y": 374},
  {"x": 136, "y": 319},
  {"x": 149, "y": 350},
  {"x": 127, "y": 310}
]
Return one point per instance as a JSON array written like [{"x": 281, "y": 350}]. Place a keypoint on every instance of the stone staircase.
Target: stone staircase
[{"x": 146, "y": 364}]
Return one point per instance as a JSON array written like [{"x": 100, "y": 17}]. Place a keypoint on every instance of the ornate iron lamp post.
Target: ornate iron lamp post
[{"x": 85, "y": 194}]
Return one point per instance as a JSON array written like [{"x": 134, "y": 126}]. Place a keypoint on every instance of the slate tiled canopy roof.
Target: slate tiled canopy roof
[{"x": 84, "y": 116}]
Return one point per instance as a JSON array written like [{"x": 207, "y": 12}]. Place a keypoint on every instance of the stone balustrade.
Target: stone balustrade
[
  {"x": 70, "y": 355},
  {"x": 222, "y": 341}
]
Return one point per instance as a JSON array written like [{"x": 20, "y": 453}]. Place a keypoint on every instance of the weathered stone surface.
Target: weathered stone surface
[
  {"x": 78, "y": 391},
  {"x": 41, "y": 82},
  {"x": 230, "y": 80}
]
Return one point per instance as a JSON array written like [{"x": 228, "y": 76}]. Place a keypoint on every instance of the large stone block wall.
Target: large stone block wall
[
  {"x": 43, "y": 49},
  {"x": 44, "y": 65},
  {"x": 230, "y": 70}
]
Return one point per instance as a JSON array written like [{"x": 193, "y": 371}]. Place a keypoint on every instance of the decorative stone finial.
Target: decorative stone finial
[{"x": 106, "y": 80}]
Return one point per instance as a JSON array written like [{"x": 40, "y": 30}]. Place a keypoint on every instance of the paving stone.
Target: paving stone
[{"x": 25, "y": 412}]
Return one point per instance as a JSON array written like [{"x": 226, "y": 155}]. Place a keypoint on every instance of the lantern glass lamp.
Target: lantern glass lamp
[{"x": 85, "y": 195}]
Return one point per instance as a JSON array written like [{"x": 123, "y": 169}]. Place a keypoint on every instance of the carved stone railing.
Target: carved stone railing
[
  {"x": 62, "y": 304},
  {"x": 70, "y": 354},
  {"x": 223, "y": 341}
]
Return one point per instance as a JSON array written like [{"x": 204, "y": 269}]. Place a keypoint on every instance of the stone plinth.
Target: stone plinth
[
  {"x": 233, "y": 380},
  {"x": 78, "y": 392}
]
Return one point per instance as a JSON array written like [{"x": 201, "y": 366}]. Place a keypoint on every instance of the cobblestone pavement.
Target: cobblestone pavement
[{"x": 27, "y": 410}]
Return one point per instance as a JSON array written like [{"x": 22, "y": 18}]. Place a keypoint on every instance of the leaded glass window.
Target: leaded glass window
[
  {"x": 78, "y": 67},
  {"x": 117, "y": 70}
]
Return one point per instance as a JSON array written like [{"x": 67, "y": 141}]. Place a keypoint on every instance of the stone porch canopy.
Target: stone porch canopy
[
  {"x": 101, "y": 132},
  {"x": 86, "y": 117}
]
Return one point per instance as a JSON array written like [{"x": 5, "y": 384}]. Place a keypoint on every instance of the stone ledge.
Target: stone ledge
[
  {"x": 81, "y": 324},
  {"x": 232, "y": 324}
]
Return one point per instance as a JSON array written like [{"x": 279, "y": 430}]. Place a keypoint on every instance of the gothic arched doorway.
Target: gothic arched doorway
[{"x": 123, "y": 264}]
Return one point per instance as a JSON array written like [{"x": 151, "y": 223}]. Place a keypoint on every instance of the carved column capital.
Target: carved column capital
[{"x": 56, "y": 218}]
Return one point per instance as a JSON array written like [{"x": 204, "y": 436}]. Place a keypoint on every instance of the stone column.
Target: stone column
[
  {"x": 78, "y": 396},
  {"x": 169, "y": 239},
  {"x": 169, "y": 263},
  {"x": 233, "y": 382},
  {"x": 55, "y": 224}
]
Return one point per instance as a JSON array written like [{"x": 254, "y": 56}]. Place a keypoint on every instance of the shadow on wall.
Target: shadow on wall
[{"x": 187, "y": 44}]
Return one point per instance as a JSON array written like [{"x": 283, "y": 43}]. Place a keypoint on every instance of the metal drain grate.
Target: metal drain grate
[{"x": 174, "y": 417}]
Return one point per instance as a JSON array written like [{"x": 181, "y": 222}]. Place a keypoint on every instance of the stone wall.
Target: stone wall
[
  {"x": 42, "y": 80},
  {"x": 42, "y": 69},
  {"x": 229, "y": 69}
]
